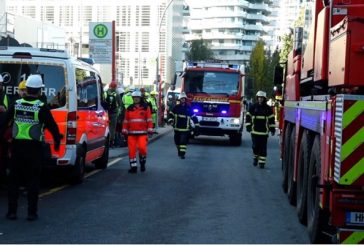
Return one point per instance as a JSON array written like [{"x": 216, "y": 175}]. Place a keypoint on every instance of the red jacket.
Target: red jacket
[{"x": 138, "y": 120}]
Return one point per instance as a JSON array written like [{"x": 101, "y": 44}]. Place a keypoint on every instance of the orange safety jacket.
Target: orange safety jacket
[{"x": 138, "y": 120}]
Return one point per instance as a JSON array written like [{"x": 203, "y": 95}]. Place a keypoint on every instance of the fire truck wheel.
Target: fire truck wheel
[
  {"x": 317, "y": 219},
  {"x": 285, "y": 157},
  {"x": 78, "y": 171},
  {"x": 291, "y": 185},
  {"x": 235, "y": 139},
  {"x": 101, "y": 163},
  {"x": 302, "y": 173}
]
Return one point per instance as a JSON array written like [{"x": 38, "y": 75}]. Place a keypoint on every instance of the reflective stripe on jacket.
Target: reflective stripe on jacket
[
  {"x": 182, "y": 116},
  {"x": 260, "y": 119},
  {"x": 26, "y": 120},
  {"x": 138, "y": 119}
]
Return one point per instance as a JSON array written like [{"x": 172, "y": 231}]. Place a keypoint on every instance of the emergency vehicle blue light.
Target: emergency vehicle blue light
[
  {"x": 223, "y": 112},
  {"x": 195, "y": 110}
]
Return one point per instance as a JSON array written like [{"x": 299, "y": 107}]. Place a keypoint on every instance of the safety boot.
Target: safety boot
[
  {"x": 142, "y": 161},
  {"x": 11, "y": 216},
  {"x": 32, "y": 216},
  {"x": 133, "y": 170},
  {"x": 255, "y": 161},
  {"x": 261, "y": 164}
]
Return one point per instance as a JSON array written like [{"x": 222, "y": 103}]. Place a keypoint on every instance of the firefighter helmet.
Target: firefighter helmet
[
  {"x": 182, "y": 95},
  {"x": 22, "y": 85},
  {"x": 136, "y": 93},
  {"x": 34, "y": 81},
  {"x": 261, "y": 94},
  {"x": 153, "y": 93}
]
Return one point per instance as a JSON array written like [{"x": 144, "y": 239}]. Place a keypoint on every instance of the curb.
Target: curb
[{"x": 151, "y": 140}]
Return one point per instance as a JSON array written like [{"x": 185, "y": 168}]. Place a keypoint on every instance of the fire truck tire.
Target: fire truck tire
[
  {"x": 235, "y": 139},
  {"x": 302, "y": 173},
  {"x": 102, "y": 162},
  {"x": 291, "y": 185},
  {"x": 317, "y": 219},
  {"x": 285, "y": 157},
  {"x": 78, "y": 171}
]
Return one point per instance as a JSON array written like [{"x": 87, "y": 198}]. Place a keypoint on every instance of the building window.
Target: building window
[
  {"x": 125, "y": 15},
  {"x": 47, "y": 13},
  {"x": 136, "y": 67},
  {"x": 137, "y": 42},
  {"x": 162, "y": 42},
  {"x": 145, "y": 41},
  {"x": 137, "y": 15},
  {"x": 85, "y": 14},
  {"x": 145, "y": 16},
  {"x": 29, "y": 11},
  {"x": 125, "y": 42},
  {"x": 66, "y": 16}
]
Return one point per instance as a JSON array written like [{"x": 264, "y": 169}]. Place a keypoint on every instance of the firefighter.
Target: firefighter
[
  {"x": 30, "y": 116},
  {"x": 154, "y": 103},
  {"x": 182, "y": 119},
  {"x": 113, "y": 102},
  {"x": 259, "y": 121},
  {"x": 127, "y": 98},
  {"x": 137, "y": 125}
]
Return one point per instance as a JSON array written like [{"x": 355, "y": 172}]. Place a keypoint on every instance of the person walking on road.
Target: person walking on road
[
  {"x": 259, "y": 122},
  {"x": 30, "y": 116},
  {"x": 114, "y": 104},
  {"x": 181, "y": 119},
  {"x": 137, "y": 125}
]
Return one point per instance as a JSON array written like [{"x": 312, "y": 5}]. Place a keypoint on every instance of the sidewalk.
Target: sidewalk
[{"x": 123, "y": 151}]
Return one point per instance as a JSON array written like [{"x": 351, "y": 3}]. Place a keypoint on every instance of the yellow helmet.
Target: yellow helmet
[
  {"x": 153, "y": 93},
  {"x": 22, "y": 85}
]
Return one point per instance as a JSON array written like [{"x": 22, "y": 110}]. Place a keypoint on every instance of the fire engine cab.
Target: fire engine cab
[{"x": 215, "y": 91}]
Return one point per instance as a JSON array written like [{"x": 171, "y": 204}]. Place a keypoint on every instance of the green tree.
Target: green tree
[
  {"x": 286, "y": 47},
  {"x": 272, "y": 62},
  {"x": 199, "y": 51},
  {"x": 258, "y": 67}
]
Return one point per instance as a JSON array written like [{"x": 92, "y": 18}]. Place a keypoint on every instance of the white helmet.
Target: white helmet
[
  {"x": 261, "y": 94},
  {"x": 136, "y": 93},
  {"x": 34, "y": 81},
  {"x": 182, "y": 95}
]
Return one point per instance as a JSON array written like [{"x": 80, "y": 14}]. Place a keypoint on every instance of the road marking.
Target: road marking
[{"x": 57, "y": 189}]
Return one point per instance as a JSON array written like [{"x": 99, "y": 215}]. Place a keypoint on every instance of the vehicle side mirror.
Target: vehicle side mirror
[{"x": 278, "y": 75}]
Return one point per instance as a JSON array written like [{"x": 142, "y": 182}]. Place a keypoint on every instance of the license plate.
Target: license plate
[
  {"x": 210, "y": 119},
  {"x": 355, "y": 218}
]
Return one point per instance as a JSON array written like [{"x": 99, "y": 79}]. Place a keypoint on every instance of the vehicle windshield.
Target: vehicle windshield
[
  {"x": 54, "y": 91},
  {"x": 212, "y": 82}
]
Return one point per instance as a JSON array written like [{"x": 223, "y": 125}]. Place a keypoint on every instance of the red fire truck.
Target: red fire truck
[
  {"x": 215, "y": 92},
  {"x": 322, "y": 123}
]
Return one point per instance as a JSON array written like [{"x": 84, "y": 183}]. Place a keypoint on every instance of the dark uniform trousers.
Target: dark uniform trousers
[
  {"x": 259, "y": 145},
  {"x": 181, "y": 139},
  {"x": 26, "y": 164}
]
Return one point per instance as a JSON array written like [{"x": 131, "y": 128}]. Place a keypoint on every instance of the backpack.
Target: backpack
[{"x": 111, "y": 101}]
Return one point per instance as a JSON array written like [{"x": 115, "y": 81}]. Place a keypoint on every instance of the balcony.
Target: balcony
[
  {"x": 260, "y": 6},
  {"x": 185, "y": 30},
  {"x": 259, "y": 17},
  {"x": 250, "y": 38},
  {"x": 186, "y": 11},
  {"x": 219, "y": 35}
]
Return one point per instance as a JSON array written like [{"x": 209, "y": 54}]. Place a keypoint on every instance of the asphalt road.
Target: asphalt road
[{"x": 215, "y": 195}]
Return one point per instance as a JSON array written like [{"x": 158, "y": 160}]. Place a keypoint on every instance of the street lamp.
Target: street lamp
[{"x": 158, "y": 77}]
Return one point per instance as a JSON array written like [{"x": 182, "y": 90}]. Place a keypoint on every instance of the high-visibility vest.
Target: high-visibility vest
[
  {"x": 4, "y": 101},
  {"x": 127, "y": 100},
  {"x": 26, "y": 120},
  {"x": 138, "y": 120}
]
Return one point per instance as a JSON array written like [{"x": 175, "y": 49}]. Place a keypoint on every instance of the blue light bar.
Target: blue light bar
[
  {"x": 223, "y": 112},
  {"x": 195, "y": 110}
]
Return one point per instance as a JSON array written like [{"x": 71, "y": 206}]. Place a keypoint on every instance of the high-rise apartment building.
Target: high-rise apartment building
[
  {"x": 230, "y": 27},
  {"x": 145, "y": 30}
]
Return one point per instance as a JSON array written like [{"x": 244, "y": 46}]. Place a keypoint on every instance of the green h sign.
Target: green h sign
[{"x": 100, "y": 31}]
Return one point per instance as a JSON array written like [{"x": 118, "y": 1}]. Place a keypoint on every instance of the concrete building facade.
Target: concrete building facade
[
  {"x": 230, "y": 27},
  {"x": 145, "y": 30}
]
